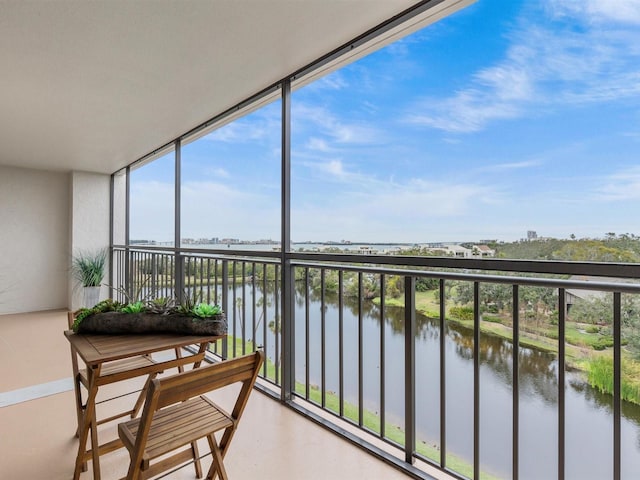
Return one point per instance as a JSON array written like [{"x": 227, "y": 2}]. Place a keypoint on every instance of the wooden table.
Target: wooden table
[{"x": 96, "y": 350}]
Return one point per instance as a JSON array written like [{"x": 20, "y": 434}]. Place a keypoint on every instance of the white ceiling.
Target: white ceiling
[{"x": 94, "y": 85}]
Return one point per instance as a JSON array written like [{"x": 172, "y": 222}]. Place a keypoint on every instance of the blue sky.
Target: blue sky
[{"x": 507, "y": 116}]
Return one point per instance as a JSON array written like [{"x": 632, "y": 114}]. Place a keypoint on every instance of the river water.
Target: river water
[
  {"x": 589, "y": 418},
  {"x": 588, "y": 415}
]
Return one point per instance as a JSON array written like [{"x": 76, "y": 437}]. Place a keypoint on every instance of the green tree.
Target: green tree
[{"x": 598, "y": 310}]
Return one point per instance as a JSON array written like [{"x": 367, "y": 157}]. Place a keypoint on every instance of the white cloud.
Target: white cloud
[
  {"x": 333, "y": 169},
  {"x": 209, "y": 209},
  {"x": 621, "y": 186},
  {"x": 152, "y": 211},
  {"x": 333, "y": 81},
  {"x": 511, "y": 166},
  {"x": 385, "y": 211},
  {"x": 625, "y": 11},
  {"x": 325, "y": 123},
  {"x": 544, "y": 68},
  {"x": 216, "y": 172}
]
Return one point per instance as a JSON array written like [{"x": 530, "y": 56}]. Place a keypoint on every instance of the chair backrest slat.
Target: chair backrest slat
[{"x": 186, "y": 385}]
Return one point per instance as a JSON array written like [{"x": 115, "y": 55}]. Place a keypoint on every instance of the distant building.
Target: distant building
[
  {"x": 483, "y": 251},
  {"x": 459, "y": 251},
  {"x": 142, "y": 242},
  {"x": 574, "y": 295}
]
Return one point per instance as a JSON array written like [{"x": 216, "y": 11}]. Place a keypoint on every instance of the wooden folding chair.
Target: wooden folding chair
[
  {"x": 116, "y": 371},
  {"x": 176, "y": 414}
]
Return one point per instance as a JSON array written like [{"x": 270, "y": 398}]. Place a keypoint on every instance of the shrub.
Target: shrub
[
  {"x": 461, "y": 313},
  {"x": 602, "y": 343},
  {"x": 600, "y": 376}
]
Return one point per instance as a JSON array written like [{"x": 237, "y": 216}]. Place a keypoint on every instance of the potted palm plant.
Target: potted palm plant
[{"x": 88, "y": 269}]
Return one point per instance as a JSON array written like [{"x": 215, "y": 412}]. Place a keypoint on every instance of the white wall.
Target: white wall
[
  {"x": 89, "y": 226},
  {"x": 34, "y": 240},
  {"x": 46, "y": 217}
]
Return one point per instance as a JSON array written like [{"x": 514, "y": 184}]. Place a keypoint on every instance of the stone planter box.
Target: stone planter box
[{"x": 112, "y": 323}]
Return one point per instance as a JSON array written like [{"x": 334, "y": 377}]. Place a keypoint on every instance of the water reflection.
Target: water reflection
[{"x": 589, "y": 413}]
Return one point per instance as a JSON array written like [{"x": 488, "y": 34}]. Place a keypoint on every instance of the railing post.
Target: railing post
[
  {"x": 409, "y": 368},
  {"x": 515, "y": 388},
  {"x": 225, "y": 302},
  {"x": 128, "y": 272},
  {"x": 617, "y": 383},
  {"x": 476, "y": 380},
  {"x": 360, "y": 354},
  {"x": 443, "y": 378},
  {"x": 562, "y": 312},
  {"x": 154, "y": 273},
  {"x": 178, "y": 276}
]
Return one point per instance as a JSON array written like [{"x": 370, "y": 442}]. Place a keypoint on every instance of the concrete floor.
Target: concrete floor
[{"x": 37, "y": 421}]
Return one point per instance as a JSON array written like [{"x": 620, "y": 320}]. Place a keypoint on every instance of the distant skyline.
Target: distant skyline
[{"x": 503, "y": 118}]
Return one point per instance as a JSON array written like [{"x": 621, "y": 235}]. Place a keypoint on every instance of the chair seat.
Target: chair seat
[
  {"x": 118, "y": 366},
  {"x": 176, "y": 414},
  {"x": 177, "y": 425}
]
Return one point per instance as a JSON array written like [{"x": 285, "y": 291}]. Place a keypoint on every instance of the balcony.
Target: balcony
[
  {"x": 38, "y": 441},
  {"x": 433, "y": 366},
  {"x": 427, "y": 387},
  {"x": 435, "y": 398}
]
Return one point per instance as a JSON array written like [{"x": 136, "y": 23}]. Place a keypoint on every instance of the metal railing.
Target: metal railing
[{"x": 342, "y": 361}]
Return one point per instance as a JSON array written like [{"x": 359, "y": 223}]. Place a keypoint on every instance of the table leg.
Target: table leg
[
  {"x": 202, "y": 349},
  {"x": 89, "y": 423}
]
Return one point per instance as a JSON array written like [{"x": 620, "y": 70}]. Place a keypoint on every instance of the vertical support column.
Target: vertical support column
[
  {"x": 383, "y": 356},
  {"x": 562, "y": 312},
  {"x": 112, "y": 194},
  {"x": 340, "y": 340},
  {"x": 515, "y": 366},
  {"x": 409, "y": 368},
  {"x": 323, "y": 338},
  {"x": 287, "y": 285},
  {"x": 443, "y": 381},
  {"x": 617, "y": 382},
  {"x": 178, "y": 274},
  {"x": 476, "y": 380},
  {"x": 360, "y": 354},
  {"x": 127, "y": 214}
]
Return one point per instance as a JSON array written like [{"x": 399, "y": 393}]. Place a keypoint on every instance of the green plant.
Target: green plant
[
  {"x": 161, "y": 305},
  {"x": 107, "y": 305},
  {"x": 206, "y": 310},
  {"x": 190, "y": 299},
  {"x": 461, "y": 313},
  {"x": 135, "y": 307},
  {"x": 88, "y": 267},
  {"x": 137, "y": 292}
]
